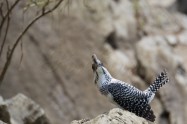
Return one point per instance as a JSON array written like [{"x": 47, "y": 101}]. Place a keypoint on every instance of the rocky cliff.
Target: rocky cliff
[{"x": 135, "y": 39}]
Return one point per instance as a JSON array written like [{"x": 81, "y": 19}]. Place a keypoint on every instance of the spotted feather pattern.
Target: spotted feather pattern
[
  {"x": 159, "y": 82},
  {"x": 131, "y": 99}
]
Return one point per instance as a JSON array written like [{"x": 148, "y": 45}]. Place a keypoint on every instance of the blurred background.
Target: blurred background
[{"x": 135, "y": 39}]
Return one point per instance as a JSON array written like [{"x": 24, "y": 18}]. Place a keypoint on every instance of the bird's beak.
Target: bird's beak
[{"x": 96, "y": 62}]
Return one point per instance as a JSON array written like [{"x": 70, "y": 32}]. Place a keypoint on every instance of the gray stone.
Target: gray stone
[
  {"x": 1, "y": 122},
  {"x": 106, "y": 16},
  {"x": 1, "y": 100},
  {"x": 115, "y": 116},
  {"x": 160, "y": 21},
  {"x": 153, "y": 54},
  {"x": 172, "y": 40},
  {"x": 182, "y": 38},
  {"x": 25, "y": 111}
]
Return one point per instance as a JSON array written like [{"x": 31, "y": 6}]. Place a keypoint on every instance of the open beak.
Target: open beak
[{"x": 96, "y": 62}]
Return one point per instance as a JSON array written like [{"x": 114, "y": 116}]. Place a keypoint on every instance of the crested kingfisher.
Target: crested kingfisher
[{"x": 125, "y": 95}]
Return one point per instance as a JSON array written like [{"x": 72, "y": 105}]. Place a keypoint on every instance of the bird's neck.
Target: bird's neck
[{"x": 103, "y": 78}]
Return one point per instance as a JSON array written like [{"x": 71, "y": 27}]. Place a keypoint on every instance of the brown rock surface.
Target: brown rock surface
[{"x": 115, "y": 116}]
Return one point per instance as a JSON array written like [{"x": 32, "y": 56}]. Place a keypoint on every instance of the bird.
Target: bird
[{"x": 125, "y": 95}]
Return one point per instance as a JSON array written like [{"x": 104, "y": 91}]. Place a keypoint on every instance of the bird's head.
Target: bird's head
[
  {"x": 97, "y": 65},
  {"x": 99, "y": 70}
]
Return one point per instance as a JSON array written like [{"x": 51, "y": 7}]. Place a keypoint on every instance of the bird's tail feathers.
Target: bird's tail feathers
[{"x": 161, "y": 79}]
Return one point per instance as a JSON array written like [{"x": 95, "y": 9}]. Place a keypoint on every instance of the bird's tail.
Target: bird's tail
[
  {"x": 159, "y": 82},
  {"x": 161, "y": 79}
]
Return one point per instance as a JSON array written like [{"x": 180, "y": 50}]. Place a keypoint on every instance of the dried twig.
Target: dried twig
[
  {"x": 21, "y": 58},
  {"x": 6, "y": 30},
  {"x": 7, "y": 14},
  {"x": 1, "y": 10},
  {"x": 11, "y": 51}
]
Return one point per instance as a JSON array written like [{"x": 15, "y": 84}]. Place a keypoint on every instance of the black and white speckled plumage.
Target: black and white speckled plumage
[
  {"x": 131, "y": 99},
  {"x": 125, "y": 95},
  {"x": 160, "y": 80}
]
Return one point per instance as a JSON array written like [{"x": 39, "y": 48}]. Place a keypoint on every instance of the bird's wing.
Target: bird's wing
[
  {"x": 127, "y": 98},
  {"x": 129, "y": 89}
]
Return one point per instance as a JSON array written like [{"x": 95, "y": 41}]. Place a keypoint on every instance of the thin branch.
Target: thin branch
[
  {"x": 6, "y": 30},
  {"x": 9, "y": 57},
  {"x": 1, "y": 15},
  {"x": 21, "y": 58},
  {"x": 7, "y": 14},
  {"x": 1, "y": 10}
]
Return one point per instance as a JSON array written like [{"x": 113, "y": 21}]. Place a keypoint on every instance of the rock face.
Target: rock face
[
  {"x": 22, "y": 110},
  {"x": 115, "y": 116},
  {"x": 159, "y": 54},
  {"x": 135, "y": 40}
]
